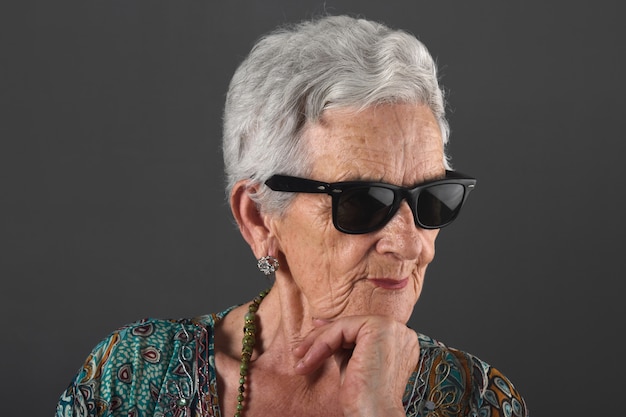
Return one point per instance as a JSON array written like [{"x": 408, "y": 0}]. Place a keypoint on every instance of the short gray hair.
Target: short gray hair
[{"x": 296, "y": 72}]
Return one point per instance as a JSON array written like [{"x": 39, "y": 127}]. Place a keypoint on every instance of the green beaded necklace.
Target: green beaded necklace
[{"x": 247, "y": 346}]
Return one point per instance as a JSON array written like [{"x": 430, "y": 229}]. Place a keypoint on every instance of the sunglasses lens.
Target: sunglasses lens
[
  {"x": 363, "y": 209},
  {"x": 439, "y": 205}
]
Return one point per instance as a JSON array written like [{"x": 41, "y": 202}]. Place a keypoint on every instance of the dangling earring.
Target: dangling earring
[{"x": 267, "y": 264}]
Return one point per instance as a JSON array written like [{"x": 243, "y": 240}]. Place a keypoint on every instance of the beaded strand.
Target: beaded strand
[{"x": 247, "y": 347}]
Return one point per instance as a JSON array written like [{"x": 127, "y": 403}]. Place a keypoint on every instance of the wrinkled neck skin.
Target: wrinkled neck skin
[{"x": 283, "y": 320}]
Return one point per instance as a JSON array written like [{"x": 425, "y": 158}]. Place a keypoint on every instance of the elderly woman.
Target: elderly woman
[{"x": 337, "y": 175}]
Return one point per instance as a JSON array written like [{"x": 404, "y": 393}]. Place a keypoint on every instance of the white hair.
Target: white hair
[{"x": 296, "y": 72}]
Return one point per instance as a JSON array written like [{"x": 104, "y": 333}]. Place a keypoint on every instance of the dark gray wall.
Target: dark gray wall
[{"x": 113, "y": 210}]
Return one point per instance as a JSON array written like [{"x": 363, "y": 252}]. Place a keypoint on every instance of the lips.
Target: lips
[{"x": 389, "y": 283}]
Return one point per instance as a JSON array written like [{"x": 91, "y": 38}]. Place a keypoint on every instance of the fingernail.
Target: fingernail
[{"x": 299, "y": 365}]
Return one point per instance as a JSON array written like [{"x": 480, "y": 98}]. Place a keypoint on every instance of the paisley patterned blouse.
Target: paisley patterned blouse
[{"x": 166, "y": 368}]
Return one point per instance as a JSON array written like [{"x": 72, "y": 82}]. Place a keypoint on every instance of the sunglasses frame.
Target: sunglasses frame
[{"x": 291, "y": 184}]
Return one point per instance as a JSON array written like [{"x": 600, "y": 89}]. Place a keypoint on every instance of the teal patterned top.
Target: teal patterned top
[{"x": 166, "y": 368}]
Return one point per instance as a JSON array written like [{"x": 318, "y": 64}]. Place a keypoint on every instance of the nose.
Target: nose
[{"x": 401, "y": 237}]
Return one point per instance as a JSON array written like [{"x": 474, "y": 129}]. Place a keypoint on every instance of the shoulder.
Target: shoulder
[
  {"x": 125, "y": 372},
  {"x": 149, "y": 340},
  {"x": 460, "y": 383}
]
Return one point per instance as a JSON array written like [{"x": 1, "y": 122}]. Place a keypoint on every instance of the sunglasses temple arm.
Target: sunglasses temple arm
[{"x": 297, "y": 185}]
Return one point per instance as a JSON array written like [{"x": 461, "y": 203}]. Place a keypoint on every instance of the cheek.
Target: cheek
[
  {"x": 430, "y": 236},
  {"x": 313, "y": 253},
  {"x": 321, "y": 260},
  {"x": 303, "y": 236}
]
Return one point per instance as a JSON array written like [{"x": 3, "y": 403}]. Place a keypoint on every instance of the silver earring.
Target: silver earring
[{"x": 267, "y": 264}]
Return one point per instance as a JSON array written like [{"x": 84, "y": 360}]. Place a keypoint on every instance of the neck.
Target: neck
[
  {"x": 281, "y": 323},
  {"x": 284, "y": 321}
]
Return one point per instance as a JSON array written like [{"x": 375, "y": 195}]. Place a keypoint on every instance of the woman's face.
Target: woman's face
[{"x": 381, "y": 272}]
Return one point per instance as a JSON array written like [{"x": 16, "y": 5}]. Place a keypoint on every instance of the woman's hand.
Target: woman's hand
[{"x": 376, "y": 355}]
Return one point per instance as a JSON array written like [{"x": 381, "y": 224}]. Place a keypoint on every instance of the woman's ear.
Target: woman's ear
[{"x": 248, "y": 217}]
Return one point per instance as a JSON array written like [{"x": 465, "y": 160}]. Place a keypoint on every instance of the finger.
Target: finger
[
  {"x": 300, "y": 350},
  {"x": 315, "y": 355},
  {"x": 320, "y": 322},
  {"x": 322, "y": 343},
  {"x": 304, "y": 346}
]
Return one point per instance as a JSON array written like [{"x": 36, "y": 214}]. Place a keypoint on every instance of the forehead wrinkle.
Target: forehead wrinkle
[
  {"x": 367, "y": 155},
  {"x": 426, "y": 160},
  {"x": 362, "y": 163},
  {"x": 360, "y": 150},
  {"x": 405, "y": 151}
]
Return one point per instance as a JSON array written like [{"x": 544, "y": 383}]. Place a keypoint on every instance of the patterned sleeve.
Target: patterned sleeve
[
  {"x": 448, "y": 382},
  {"x": 124, "y": 374},
  {"x": 80, "y": 398},
  {"x": 494, "y": 394}
]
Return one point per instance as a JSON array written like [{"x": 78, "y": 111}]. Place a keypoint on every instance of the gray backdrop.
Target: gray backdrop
[{"x": 113, "y": 210}]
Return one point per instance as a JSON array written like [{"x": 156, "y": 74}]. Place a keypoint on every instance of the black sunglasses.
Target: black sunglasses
[{"x": 363, "y": 206}]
